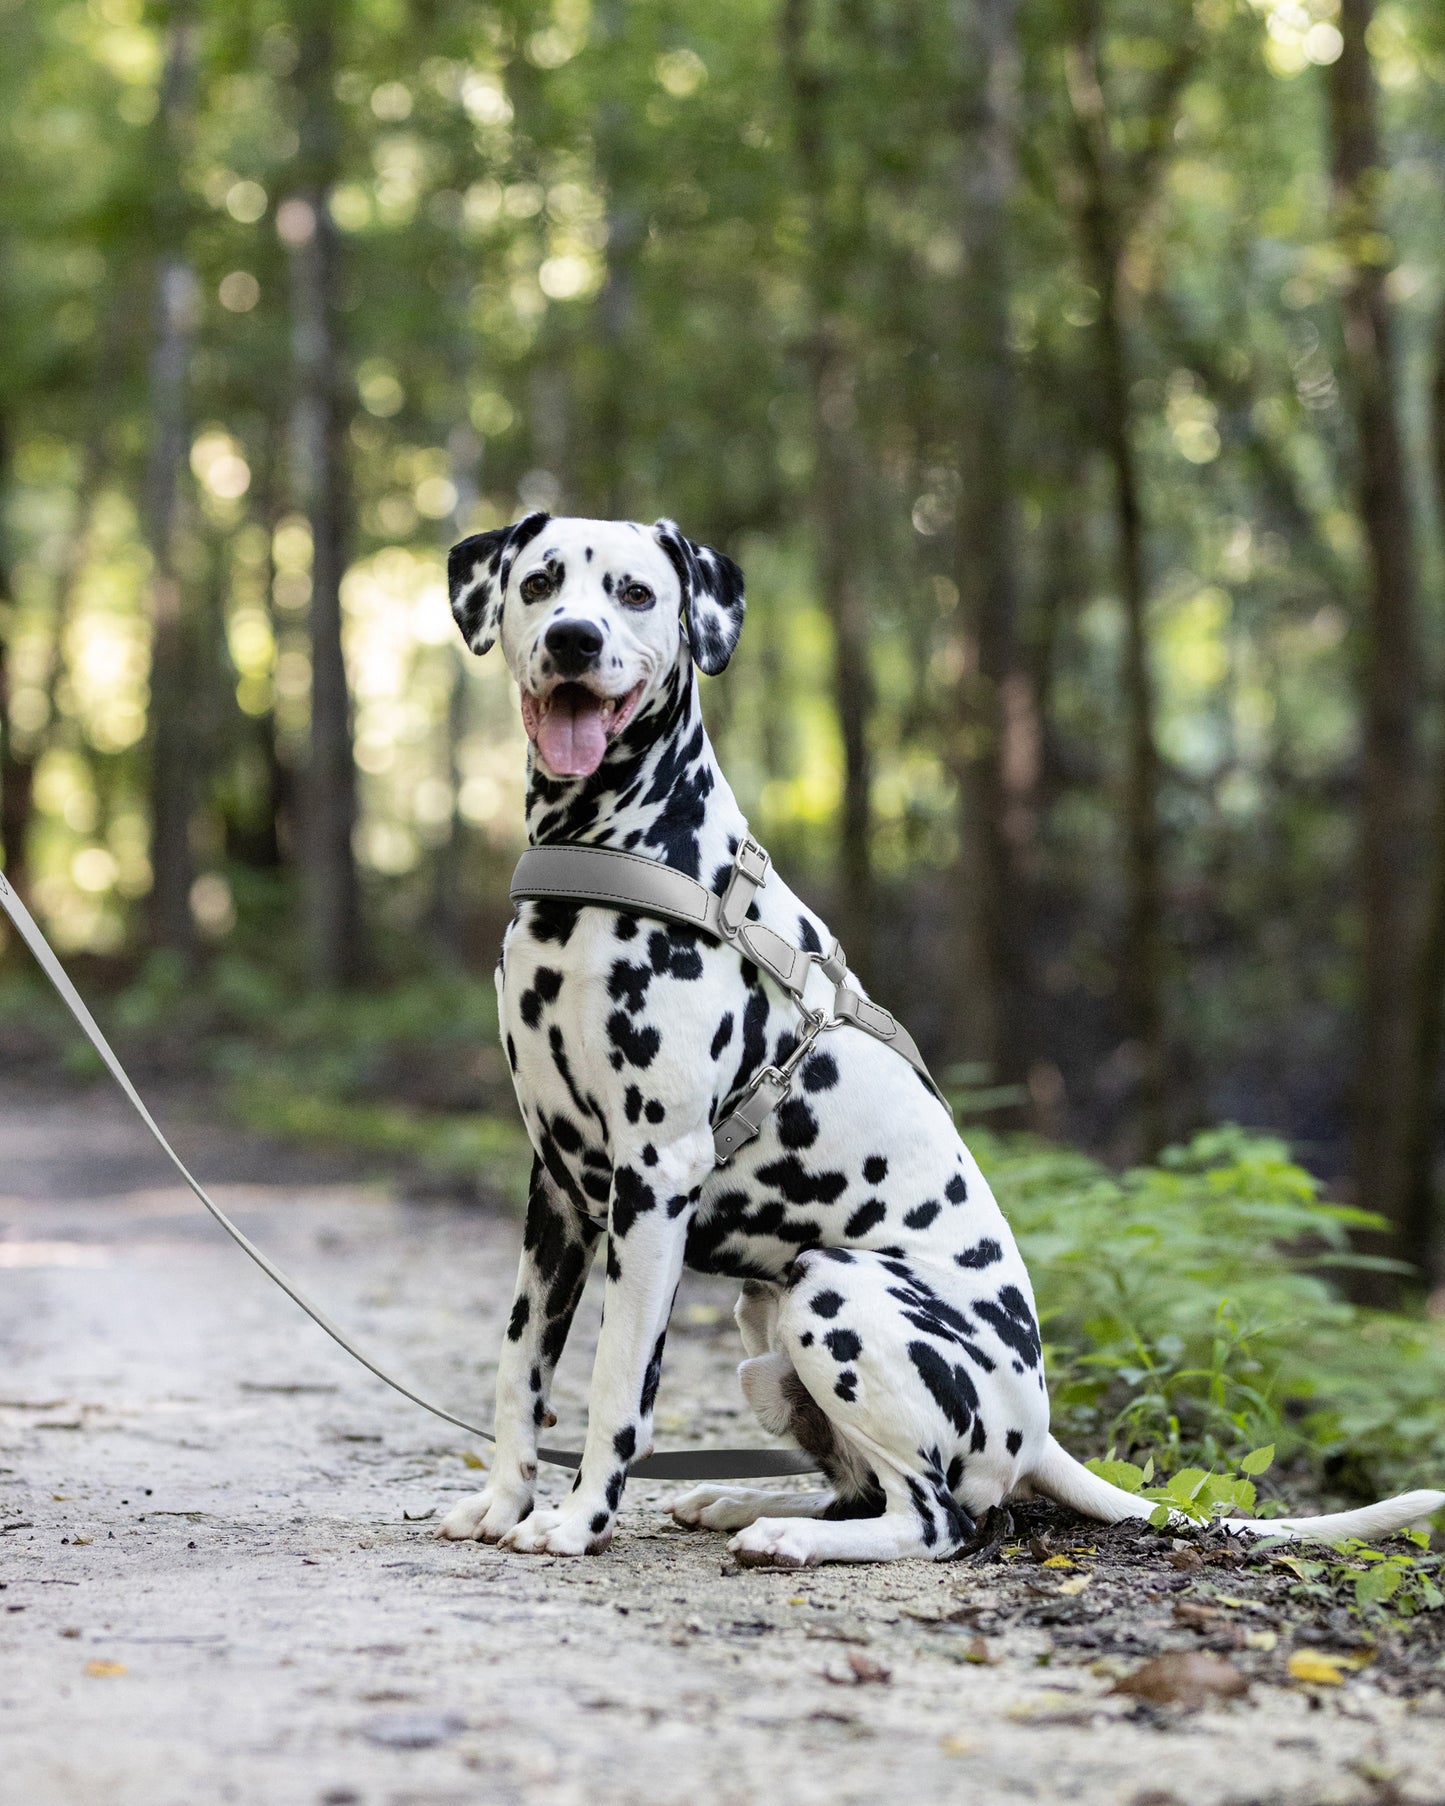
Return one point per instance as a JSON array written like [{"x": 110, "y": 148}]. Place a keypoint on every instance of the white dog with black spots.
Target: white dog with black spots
[{"x": 886, "y": 1315}]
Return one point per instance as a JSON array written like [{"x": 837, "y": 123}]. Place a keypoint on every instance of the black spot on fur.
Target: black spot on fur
[
  {"x": 798, "y": 1185},
  {"x": 797, "y": 1125},
  {"x": 624, "y": 1443},
  {"x": 631, "y": 1196},
  {"x": 875, "y": 1169},
  {"x": 654, "y": 1111},
  {"x": 723, "y": 1035},
  {"x": 1013, "y": 1323},
  {"x": 600, "y": 1523},
  {"x": 844, "y": 1344},
  {"x": 956, "y": 1191},
  {"x": 826, "y": 1304},
  {"x": 521, "y": 1311},
  {"x": 846, "y": 1385},
  {"x": 950, "y": 1386},
  {"x": 627, "y": 984},
  {"x": 922, "y": 1214},
  {"x": 636, "y": 1046},
  {"x": 982, "y": 1254},
  {"x": 865, "y": 1218},
  {"x": 1014, "y": 1441},
  {"x": 820, "y": 1072}
]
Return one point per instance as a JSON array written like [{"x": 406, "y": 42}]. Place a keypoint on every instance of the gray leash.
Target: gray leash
[{"x": 680, "y": 1464}]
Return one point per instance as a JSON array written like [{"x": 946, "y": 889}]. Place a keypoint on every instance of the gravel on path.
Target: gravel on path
[{"x": 218, "y": 1580}]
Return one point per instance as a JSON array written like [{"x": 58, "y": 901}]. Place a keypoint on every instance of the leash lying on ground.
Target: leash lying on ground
[
  {"x": 582, "y": 874},
  {"x": 680, "y": 1464}
]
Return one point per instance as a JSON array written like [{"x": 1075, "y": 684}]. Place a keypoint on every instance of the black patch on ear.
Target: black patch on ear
[
  {"x": 477, "y": 572},
  {"x": 713, "y": 602}
]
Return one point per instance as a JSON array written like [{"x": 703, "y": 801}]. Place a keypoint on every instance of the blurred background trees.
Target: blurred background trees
[{"x": 1067, "y": 375}]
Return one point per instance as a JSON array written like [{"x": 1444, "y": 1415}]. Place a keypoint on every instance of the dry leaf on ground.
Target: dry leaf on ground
[{"x": 1185, "y": 1677}]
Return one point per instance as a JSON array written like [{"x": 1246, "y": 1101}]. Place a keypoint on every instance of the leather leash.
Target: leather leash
[{"x": 678, "y": 1464}]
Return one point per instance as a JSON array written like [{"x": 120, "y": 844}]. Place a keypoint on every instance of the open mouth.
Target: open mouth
[{"x": 571, "y": 726}]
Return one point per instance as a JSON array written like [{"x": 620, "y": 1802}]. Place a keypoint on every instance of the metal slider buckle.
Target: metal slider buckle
[{"x": 751, "y": 859}]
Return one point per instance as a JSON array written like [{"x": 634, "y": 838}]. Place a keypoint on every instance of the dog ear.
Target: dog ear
[
  {"x": 477, "y": 572},
  {"x": 712, "y": 597}
]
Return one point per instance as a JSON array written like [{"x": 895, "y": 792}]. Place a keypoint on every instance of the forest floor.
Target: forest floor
[{"x": 220, "y": 1583}]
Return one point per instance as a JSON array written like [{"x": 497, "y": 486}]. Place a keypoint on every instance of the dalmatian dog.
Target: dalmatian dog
[{"x": 887, "y": 1319}]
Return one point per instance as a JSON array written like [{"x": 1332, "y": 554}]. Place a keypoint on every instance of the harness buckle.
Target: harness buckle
[{"x": 752, "y": 860}]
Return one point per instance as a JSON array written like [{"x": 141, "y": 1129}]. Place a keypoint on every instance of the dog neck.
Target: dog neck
[{"x": 659, "y": 791}]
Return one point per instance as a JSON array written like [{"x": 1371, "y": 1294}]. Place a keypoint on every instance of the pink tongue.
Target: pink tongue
[{"x": 570, "y": 736}]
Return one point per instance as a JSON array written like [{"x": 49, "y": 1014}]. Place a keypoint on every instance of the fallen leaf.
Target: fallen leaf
[
  {"x": 470, "y": 1458},
  {"x": 959, "y": 1746},
  {"x": 798, "y": 1599},
  {"x": 83, "y": 1541},
  {"x": 1261, "y": 1639},
  {"x": 1324, "y": 1668},
  {"x": 104, "y": 1671},
  {"x": 417, "y": 1517},
  {"x": 1185, "y": 1677},
  {"x": 1039, "y": 1547},
  {"x": 977, "y": 1651},
  {"x": 866, "y": 1670},
  {"x": 1058, "y": 1561},
  {"x": 1188, "y": 1561},
  {"x": 1072, "y": 1587}
]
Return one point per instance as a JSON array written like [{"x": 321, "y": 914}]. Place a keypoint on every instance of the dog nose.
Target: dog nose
[{"x": 574, "y": 645}]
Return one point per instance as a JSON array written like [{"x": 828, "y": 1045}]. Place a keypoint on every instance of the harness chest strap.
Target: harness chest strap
[{"x": 583, "y": 874}]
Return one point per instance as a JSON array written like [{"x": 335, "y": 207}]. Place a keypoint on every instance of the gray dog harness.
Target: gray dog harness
[{"x": 583, "y": 874}]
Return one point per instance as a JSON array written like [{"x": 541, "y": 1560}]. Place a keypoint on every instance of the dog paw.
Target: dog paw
[
  {"x": 715, "y": 1508},
  {"x": 484, "y": 1517},
  {"x": 775, "y": 1543},
  {"x": 552, "y": 1530}
]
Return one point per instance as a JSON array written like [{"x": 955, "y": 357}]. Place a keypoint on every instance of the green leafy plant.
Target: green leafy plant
[
  {"x": 1193, "y": 1492},
  {"x": 1370, "y": 1583}
]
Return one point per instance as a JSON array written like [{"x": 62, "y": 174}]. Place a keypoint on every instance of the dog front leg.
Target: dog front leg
[
  {"x": 648, "y": 1218},
  {"x": 557, "y": 1249}
]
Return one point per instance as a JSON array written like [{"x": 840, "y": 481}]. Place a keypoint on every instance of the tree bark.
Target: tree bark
[
  {"x": 996, "y": 766},
  {"x": 836, "y": 486},
  {"x": 610, "y": 477},
  {"x": 320, "y": 419},
  {"x": 173, "y": 746},
  {"x": 1104, "y": 233},
  {"x": 1419, "y": 1220},
  {"x": 1389, "y": 776}
]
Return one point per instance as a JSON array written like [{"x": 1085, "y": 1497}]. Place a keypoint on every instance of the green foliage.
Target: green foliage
[
  {"x": 1192, "y": 1491},
  {"x": 1371, "y": 1584},
  {"x": 1188, "y": 1310}
]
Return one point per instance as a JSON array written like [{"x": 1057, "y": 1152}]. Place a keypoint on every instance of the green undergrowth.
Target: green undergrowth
[{"x": 1189, "y": 1314}]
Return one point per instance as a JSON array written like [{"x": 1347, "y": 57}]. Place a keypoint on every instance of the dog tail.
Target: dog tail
[{"x": 1058, "y": 1476}]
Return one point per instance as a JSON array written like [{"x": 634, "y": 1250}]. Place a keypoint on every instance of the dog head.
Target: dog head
[{"x": 594, "y": 618}]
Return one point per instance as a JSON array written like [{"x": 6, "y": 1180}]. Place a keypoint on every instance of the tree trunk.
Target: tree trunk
[
  {"x": 320, "y": 419},
  {"x": 836, "y": 488},
  {"x": 16, "y": 773},
  {"x": 616, "y": 318},
  {"x": 1419, "y": 1220},
  {"x": 1103, "y": 228},
  {"x": 1390, "y": 682},
  {"x": 173, "y": 744},
  {"x": 996, "y": 767}
]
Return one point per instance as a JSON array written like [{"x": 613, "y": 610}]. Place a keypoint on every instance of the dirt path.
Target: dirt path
[{"x": 219, "y": 1581}]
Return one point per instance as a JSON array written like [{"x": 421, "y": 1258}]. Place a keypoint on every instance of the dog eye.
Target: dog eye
[
  {"x": 637, "y": 595},
  {"x": 536, "y": 585}
]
